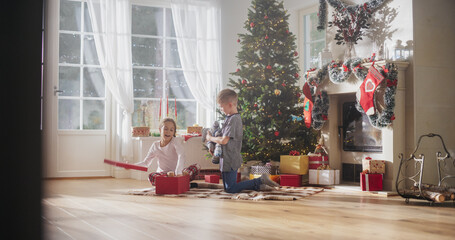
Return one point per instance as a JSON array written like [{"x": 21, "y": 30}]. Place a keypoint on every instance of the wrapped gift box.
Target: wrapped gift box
[
  {"x": 324, "y": 177},
  {"x": 212, "y": 178},
  {"x": 373, "y": 166},
  {"x": 194, "y": 129},
  {"x": 316, "y": 160},
  {"x": 371, "y": 182},
  {"x": 294, "y": 164},
  {"x": 292, "y": 180},
  {"x": 172, "y": 185}
]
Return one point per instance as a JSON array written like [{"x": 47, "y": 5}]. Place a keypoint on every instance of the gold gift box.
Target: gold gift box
[
  {"x": 373, "y": 166},
  {"x": 294, "y": 164}
]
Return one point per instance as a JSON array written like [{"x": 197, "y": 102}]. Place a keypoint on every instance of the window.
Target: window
[
  {"x": 157, "y": 72},
  {"x": 313, "y": 40},
  {"x": 81, "y": 92}
]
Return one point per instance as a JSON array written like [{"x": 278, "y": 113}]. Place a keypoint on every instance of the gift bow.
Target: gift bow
[{"x": 294, "y": 153}]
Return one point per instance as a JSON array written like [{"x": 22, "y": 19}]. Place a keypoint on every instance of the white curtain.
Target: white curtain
[
  {"x": 111, "y": 23},
  {"x": 197, "y": 27}
]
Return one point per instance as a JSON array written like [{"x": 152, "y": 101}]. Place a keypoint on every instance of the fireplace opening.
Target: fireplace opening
[{"x": 358, "y": 133}]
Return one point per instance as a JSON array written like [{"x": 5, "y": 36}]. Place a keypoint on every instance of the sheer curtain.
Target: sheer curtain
[
  {"x": 111, "y": 23},
  {"x": 197, "y": 27}
]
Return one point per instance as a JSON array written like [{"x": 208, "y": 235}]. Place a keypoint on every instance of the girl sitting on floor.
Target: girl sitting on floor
[{"x": 169, "y": 153}]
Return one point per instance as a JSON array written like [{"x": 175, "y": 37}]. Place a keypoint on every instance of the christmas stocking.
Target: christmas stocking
[
  {"x": 365, "y": 94},
  {"x": 307, "y": 109},
  {"x": 307, "y": 105}
]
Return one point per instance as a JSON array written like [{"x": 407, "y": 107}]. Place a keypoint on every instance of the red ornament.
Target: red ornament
[
  {"x": 266, "y": 37},
  {"x": 393, "y": 117},
  {"x": 277, "y": 133},
  {"x": 269, "y": 67},
  {"x": 324, "y": 117},
  {"x": 283, "y": 84},
  {"x": 296, "y": 53},
  {"x": 252, "y": 24},
  {"x": 296, "y": 75},
  {"x": 244, "y": 81},
  {"x": 255, "y": 105},
  {"x": 287, "y": 31},
  {"x": 294, "y": 153},
  {"x": 238, "y": 40},
  {"x": 266, "y": 17},
  {"x": 237, "y": 70},
  {"x": 279, "y": 112},
  {"x": 298, "y": 95}
]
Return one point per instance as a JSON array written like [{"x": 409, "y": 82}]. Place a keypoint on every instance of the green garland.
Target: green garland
[{"x": 336, "y": 75}]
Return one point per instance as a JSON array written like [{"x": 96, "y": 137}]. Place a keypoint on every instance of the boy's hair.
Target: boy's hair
[
  {"x": 167, "y": 119},
  {"x": 227, "y": 96}
]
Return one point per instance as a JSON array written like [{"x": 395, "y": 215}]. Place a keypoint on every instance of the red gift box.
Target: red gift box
[
  {"x": 212, "y": 178},
  {"x": 371, "y": 182},
  {"x": 172, "y": 185},
  {"x": 291, "y": 180},
  {"x": 315, "y": 161}
]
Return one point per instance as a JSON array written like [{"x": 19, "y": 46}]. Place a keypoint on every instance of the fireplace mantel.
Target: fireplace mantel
[{"x": 393, "y": 137}]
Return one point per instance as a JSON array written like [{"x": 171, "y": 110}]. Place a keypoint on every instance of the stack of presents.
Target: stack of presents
[{"x": 372, "y": 174}]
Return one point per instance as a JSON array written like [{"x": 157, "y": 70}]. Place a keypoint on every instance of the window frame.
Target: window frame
[
  {"x": 302, "y": 35},
  {"x": 82, "y": 33},
  {"x": 165, "y": 91}
]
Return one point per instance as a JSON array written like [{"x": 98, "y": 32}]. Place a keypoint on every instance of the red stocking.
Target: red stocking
[{"x": 365, "y": 94}]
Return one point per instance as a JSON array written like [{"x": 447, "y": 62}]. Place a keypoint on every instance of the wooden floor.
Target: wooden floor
[{"x": 100, "y": 209}]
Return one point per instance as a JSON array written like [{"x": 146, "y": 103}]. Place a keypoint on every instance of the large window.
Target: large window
[
  {"x": 81, "y": 89},
  {"x": 157, "y": 72},
  {"x": 313, "y": 40}
]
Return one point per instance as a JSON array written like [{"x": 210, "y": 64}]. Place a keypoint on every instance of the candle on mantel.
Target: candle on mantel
[
  {"x": 175, "y": 100},
  {"x": 160, "y": 107},
  {"x": 167, "y": 106}
]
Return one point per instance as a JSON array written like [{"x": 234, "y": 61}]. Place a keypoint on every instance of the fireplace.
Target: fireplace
[{"x": 358, "y": 134}]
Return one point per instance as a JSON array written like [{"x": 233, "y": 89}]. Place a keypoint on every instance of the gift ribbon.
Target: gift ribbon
[
  {"x": 367, "y": 184},
  {"x": 316, "y": 162}
]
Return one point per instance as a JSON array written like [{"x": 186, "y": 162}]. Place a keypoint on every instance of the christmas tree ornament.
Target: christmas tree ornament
[
  {"x": 266, "y": 37},
  {"x": 252, "y": 24},
  {"x": 277, "y": 133},
  {"x": 268, "y": 67},
  {"x": 244, "y": 82},
  {"x": 266, "y": 17},
  {"x": 238, "y": 40},
  {"x": 296, "y": 53},
  {"x": 277, "y": 92},
  {"x": 365, "y": 93}
]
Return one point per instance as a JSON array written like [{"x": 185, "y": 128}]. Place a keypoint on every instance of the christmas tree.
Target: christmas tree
[{"x": 266, "y": 80}]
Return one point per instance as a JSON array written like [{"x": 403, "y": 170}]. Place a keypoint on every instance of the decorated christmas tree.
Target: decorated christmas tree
[{"x": 270, "y": 100}]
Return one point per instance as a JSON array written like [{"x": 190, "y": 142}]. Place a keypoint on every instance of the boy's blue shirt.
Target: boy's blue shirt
[{"x": 232, "y": 158}]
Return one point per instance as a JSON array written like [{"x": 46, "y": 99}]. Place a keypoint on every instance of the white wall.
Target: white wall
[{"x": 434, "y": 76}]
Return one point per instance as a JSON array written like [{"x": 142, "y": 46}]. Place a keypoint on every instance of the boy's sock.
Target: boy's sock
[
  {"x": 193, "y": 185},
  {"x": 265, "y": 187},
  {"x": 265, "y": 179}
]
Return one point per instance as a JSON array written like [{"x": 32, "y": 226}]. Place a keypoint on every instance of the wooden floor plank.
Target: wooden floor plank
[{"x": 101, "y": 209}]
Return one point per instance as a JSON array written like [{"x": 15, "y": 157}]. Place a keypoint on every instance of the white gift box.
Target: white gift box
[{"x": 324, "y": 177}]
